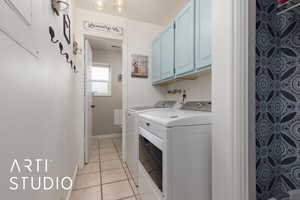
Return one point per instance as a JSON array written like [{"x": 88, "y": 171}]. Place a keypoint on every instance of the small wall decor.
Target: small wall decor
[
  {"x": 139, "y": 66},
  {"x": 60, "y": 5},
  {"x": 67, "y": 28},
  {"x": 100, "y": 27}
]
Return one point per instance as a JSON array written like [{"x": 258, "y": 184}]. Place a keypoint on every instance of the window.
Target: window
[{"x": 101, "y": 80}]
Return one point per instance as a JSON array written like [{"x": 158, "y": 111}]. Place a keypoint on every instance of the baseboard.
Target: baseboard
[
  {"x": 73, "y": 181},
  {"x": 113, "y": 135}
]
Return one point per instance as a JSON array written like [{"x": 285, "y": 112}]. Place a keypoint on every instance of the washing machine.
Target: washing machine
[
  {"x": 175, "y": 153},
  {"x": 132, "y": 133}
]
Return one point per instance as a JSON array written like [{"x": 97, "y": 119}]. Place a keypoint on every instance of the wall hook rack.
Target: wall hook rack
[
  {"x": 52, "y": 35},
  {"x": 75, "y": 69},
  {"x": 61, "y": 49}
]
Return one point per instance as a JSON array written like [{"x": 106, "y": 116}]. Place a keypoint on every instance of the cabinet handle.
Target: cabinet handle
[{"x": 148, "y": 124}]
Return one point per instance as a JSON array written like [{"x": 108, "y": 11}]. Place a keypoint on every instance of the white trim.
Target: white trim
[
  {"x": 125, "y": 73},
  {"x": 73, "y": 182},
  {"x": 87, "y": 99},
  {"x": 230, "y": 52},
  {"x": 240, "y": 101},
  {"x": 101, "y": 64},
  {"x": 156, "y": 141},
  {"x": 252, "y": 100},
  {"x": 112, "y": 135}
]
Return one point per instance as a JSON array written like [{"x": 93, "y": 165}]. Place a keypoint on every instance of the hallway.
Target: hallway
[{"x": 106, "y": 177}]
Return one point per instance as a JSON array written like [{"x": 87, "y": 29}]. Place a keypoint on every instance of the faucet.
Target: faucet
[{"x": 175, "y": 91}]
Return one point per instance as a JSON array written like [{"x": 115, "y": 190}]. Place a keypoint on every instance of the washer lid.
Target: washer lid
[
  {"x": 176, "y": 118},
  {"x": 159, "y": 104},
  {"x": 140, "y": 108}
]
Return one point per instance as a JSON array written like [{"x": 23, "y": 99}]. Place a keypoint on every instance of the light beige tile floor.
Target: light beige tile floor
[
  {"x": 92, "y": 193},
  {"x": 106, "y": 177},
  {"x": 115, "y": 175},
  {"x": 111, "y": 165}
]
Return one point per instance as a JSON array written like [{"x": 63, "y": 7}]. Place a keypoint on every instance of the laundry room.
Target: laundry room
[{"x": 149, "y": 100}]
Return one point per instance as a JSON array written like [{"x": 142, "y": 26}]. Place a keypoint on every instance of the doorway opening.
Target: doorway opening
[{"x": 103, "y": 95}]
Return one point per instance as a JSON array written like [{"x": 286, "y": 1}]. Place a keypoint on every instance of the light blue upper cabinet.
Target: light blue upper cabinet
[
  {"x": 184, "y": 40},
  {"x": 156, "y": 61},
  {"x": 203, "y": 34},
  {"x": 184, "y": 47},
  {"x": 167, "y": 52}
]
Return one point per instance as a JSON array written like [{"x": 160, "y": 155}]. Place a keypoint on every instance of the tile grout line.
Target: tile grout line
[
  {"x": 84, "y": 188},
  {"x": 86, "y": 173},
  {"x": 116, "y": 181},
  {"x": 108, "y": 170},
  {"x": 127, "y": 176},
  {"x": 134, "y": 195},
  {"x": 124, "y": 198},
  {"x": 101, "y": 189}
]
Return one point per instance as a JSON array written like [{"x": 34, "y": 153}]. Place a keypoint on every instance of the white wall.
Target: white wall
[
  {"x": 103, "y": 113},
  {"x": 196, "y": 90},
  {"x": 140, "y": 37},
  {"x": 38, "y": 107}
]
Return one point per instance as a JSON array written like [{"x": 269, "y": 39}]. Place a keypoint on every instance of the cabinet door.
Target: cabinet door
[
  {"x": 156, "y": 60},
  {"x": 184, "y": 40},
  {"x": 167, "y": 52},
  {"x": 203, "y": 33}
]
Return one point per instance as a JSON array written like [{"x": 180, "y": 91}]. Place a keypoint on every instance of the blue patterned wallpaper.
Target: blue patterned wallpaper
[{"x": 277, "y": 101}]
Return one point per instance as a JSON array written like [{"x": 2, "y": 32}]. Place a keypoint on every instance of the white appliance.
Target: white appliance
[
  {"x": 118, "y": 117},
  {"x": 175, "y": 153},
  {"x": 132, "y": 134}
]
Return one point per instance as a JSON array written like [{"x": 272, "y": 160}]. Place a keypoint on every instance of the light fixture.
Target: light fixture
[
  {"x": 100, "y": 5},
  {"x": 120, "y": 9},
  {"x": 119, "y": 5}
]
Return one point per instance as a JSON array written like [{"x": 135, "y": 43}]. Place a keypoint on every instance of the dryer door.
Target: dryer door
[{"x": 151, "y": 156}]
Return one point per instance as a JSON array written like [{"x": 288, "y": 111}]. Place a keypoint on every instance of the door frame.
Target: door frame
[
  {"x": 87, "y": 141},
  {"x": 124, "y": 42},
  {"x": 233, "y": 92}
]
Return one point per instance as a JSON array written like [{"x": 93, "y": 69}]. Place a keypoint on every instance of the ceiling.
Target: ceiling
[
  {"x": 158, "y": 12},
  {"x": 105, "y": 44}
]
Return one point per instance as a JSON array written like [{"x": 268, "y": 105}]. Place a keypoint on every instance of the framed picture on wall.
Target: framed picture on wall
[{"x": 139, "y": 66}]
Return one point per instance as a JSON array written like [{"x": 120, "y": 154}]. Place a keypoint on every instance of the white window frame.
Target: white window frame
[{"x": 103, "y": 81}]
